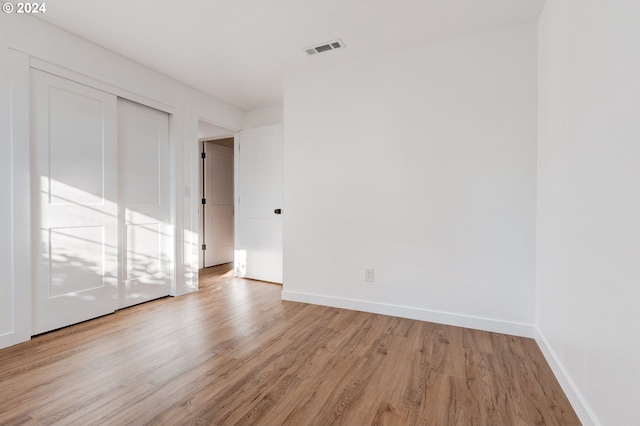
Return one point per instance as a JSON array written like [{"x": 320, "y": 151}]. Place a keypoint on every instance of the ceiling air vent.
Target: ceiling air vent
[{"x": 325, "y": 47}]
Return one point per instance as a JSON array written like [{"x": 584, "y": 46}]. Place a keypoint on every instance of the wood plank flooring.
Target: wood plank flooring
[{"x": 235, "y": 354}]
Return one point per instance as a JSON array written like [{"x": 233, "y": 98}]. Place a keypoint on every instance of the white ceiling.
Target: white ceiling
[{"x": 240, "y": 50}]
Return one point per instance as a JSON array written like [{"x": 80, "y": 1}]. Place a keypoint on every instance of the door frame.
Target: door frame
[
  {"x": 188, "y": 265},
  {"x": 19, "y": 76},
  {"x": 201, "y": 208}
]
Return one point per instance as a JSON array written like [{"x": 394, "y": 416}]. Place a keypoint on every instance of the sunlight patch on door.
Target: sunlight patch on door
[
  {"x": 144, "y": 251},
  {"x": 76, "y": 259}
]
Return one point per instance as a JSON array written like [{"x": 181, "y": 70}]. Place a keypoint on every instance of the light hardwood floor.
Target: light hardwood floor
[{"x": 234, "y": 353}]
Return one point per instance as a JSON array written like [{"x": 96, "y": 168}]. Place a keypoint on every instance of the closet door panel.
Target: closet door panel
[
  {"x": 146, "y": 232},
  {"x": 74, "y": 202}
]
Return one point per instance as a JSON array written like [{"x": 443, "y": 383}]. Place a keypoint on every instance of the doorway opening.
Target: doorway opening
[
  {"x": 216, "y": 191},
  {"x": 217, "y": 202}
]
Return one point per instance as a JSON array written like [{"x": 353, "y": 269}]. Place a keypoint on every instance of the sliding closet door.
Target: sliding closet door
[
  {"x": 74, "y": 202},
  {"x": 145, "y": 231}
]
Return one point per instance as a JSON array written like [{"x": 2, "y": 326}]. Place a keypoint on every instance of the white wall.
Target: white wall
[
  {"x": 588, "y": 268},
  {"x": 48, "y": 46},
  {"x": 6, "y": 191},
  {"x": 422, "y": 165},
  {"x": 263, "y": 117}
]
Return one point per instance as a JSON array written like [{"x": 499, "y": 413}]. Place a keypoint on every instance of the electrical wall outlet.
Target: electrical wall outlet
[{"x": 368, "y": 275}]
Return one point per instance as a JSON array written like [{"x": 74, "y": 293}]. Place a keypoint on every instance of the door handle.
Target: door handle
[{"x": 278, "y": 211}]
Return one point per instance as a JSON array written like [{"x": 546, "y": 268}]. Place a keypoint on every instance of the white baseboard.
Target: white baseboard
[
  {"x": 582, "y": 409},
  {"x": 12, "y": 338},
  {"x": 478, "y": 323}
]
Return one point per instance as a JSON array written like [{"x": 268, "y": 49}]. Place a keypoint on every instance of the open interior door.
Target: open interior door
[{"x": 258, "y": 252}]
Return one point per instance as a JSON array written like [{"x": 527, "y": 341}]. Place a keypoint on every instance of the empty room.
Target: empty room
[{"x": 411, "y": 212}]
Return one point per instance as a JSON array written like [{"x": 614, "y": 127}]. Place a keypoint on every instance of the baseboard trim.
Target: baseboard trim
[
  {"x": 582, "y": 409},
  {"x": 478, "y": 323}
]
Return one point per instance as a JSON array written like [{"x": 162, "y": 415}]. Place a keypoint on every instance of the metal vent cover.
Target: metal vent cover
[{"x": 325, "y": 47}]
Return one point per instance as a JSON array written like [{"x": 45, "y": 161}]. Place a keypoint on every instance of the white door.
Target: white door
[
  {"x": 146, "y": 234},
  {"x": 74, "y": 202},
  {"x": 218, "y": 208},
  {"x": 259, "y": 204}
]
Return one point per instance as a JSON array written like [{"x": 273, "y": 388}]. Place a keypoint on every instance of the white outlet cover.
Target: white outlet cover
[{"x": 368, "y": 275}]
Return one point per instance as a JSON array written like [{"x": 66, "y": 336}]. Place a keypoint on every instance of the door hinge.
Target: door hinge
[
  {"x": 204, "y": 247},
  {"x": 204, "y": 201},
  {"x": 203, "y": 155}
]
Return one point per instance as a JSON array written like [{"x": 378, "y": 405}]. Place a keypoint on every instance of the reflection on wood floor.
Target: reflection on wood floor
[{"x": 234, "y": 353}]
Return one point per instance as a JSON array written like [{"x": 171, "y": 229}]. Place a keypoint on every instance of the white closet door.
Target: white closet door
[
  {"x": 74, "y": 202},
  {"x": 259, "y": 204},
  {"x": 145, "y": 231}
]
